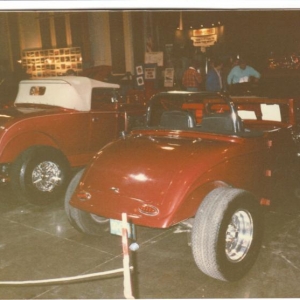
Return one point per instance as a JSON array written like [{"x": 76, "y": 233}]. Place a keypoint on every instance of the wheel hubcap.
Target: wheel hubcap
[
  {"x": 46, "y": 176},
  {"x": 239, "y": 235}
]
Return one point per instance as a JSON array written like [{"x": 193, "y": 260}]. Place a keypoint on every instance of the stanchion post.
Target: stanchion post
[{"x": 126, "y": 264}]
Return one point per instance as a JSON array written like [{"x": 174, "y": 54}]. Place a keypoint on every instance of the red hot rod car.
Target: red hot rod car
[
  {"x": 202, "y": 157},
  {"x": 55, "y": 124}
]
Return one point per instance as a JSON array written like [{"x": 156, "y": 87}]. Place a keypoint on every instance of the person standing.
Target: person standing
[
  {"x": 192, "y": 79},
  {"x": 214, "y": 81},
  {"x": 242, "y": 79},
  {"x": 242, "y": 73}
]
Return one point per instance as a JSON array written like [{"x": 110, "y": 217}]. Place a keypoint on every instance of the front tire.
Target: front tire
[
  {"x": 81, "y": 220},
  {"x": 227, "y": 233},
  {"x": 39, "y": 175}
]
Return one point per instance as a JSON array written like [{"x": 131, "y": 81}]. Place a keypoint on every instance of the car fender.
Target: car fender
[
  {"x": 17, "y": 144},
  {"x": 198, "y": 184},
  {"x": 189, "y": 206}
]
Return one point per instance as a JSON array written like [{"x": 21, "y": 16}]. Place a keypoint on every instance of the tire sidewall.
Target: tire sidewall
[
  {"x": 81, "y": 220},
  {"x": 235, "y": 270},
  {"x": 209, "y": 233},
  {"x": 70, "y": 211},
  {"x": 86, "y": 224}
]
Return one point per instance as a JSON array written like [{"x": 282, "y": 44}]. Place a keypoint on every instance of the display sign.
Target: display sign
[
  {"x": 116, "y": 227},
  {"x": 139, "y": 70},
  {"x": 169, "y": 77},
  {"x": 154, "y": 58},
  {"x": 150, "y": 71},
  {"x": 52, "y": 62},
  {"x": 140, "y": 81},
  {"x": 204, "y": 41},
  {"x": 204, "y": 31}
]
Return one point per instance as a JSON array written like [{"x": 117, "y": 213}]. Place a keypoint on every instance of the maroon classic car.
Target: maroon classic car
[
  {"x": 201, "y": 157},
  {"x": 56, "y": 124}
]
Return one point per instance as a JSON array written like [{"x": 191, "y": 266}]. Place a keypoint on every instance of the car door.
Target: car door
[{"x": 104, "y": 118}]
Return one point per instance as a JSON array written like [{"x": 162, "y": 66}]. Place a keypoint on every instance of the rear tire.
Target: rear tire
[
  {"x": 81, "y": 220},
  {"x": 227, "y": 233}
]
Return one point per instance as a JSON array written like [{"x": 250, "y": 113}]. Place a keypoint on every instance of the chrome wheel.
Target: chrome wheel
[
  {"x": 46, "y": 176},
  {"x": 239, "y": 236}
]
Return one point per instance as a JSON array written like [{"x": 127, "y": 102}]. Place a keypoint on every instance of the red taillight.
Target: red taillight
[
  {"x": 84, "y": 196},
  {"x": 265, "y": 202},
  {"x": 149, "y": 210}
]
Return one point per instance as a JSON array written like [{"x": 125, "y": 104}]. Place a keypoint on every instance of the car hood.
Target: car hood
[{"x": 145, "y": 167}]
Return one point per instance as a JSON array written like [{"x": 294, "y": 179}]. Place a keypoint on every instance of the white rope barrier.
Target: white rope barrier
[
  {"x": 62, "y": 280},
  {"x": 126, "y": 270}
]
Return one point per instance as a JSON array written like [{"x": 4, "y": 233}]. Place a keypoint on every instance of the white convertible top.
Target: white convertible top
[{"x": 73, "y": 92}]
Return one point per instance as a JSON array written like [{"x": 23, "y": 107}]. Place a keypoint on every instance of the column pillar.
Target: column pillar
[
  {"x": 128, "y": 36},
  {"x": 100, "y": 38}
]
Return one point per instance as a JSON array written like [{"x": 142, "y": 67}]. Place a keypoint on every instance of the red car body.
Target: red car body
[
  {"x": 164, "y": 172},
  {"x": 174, "y": 170},
  {"x": 68, "y": 117},
  {"x": 203, "y": 157}
]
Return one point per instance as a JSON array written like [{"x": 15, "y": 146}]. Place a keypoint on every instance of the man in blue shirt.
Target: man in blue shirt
[
  {"x": 214, "y": 81},
  {"x": 242, "y": 73}
]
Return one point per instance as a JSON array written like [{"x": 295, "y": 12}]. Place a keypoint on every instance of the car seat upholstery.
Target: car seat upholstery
[
  {"x": 220, "y": 123},
  {"x": 177, "y": 120}
]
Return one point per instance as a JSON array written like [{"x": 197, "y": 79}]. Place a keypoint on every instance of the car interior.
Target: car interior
[{"x": 213, "y": 115}]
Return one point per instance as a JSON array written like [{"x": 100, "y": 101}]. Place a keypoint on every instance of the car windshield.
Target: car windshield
[
  {"x": 217, "y": 113},
  {"x": 104, "y": 96},
  {"x": 191, "y": 111}
]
